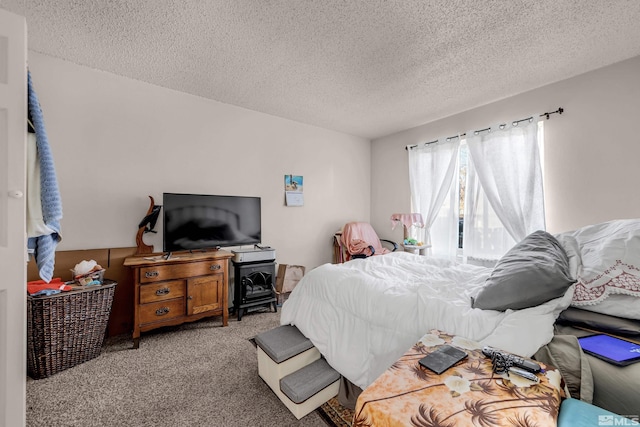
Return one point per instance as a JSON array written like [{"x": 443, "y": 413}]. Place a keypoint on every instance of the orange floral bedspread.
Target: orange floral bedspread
[{"x": 468, "y": 394}]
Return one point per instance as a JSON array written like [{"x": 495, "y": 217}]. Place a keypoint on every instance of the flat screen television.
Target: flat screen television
[{"x": 201, "y": 221}]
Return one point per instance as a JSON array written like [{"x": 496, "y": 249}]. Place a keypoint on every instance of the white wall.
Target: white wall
[
  {"x": 591, "y": 151},
  {"x": 117, "y": 141}
]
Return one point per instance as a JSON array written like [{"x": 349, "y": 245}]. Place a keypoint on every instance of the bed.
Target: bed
[{"x": 364, "y": 314}]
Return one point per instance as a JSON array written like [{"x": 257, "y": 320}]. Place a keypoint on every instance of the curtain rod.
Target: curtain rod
[{"x": 502, "y": 126}]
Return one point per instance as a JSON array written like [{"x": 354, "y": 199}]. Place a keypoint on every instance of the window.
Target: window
[{"x": 466, "y": 223}]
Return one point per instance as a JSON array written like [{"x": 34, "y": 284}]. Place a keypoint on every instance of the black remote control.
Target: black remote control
[{"x": 512, "y": 359}]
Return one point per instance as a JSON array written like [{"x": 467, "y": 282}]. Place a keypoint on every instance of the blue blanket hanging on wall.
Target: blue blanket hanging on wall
[{"x": 44, "y": 246}]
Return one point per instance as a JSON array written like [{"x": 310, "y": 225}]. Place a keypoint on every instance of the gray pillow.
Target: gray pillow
[{"x": 533, "y": 272}]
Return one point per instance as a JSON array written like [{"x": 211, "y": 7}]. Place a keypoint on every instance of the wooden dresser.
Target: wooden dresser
[{"x": 184, "y": 288}]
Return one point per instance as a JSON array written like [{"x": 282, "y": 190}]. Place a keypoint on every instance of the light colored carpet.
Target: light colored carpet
[{"x": 196, "y": 374}]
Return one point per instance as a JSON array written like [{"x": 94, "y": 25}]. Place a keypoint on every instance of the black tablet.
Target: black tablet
[
  {"x": 442, "y": 359},
  {"x": 611, "y": 349}
]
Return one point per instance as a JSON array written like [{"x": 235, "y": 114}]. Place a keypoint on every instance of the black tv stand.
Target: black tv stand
[{"x": 167, "y": 255}]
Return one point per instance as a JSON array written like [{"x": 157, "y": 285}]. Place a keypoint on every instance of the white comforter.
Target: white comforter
[{"x": 364, "y": 314}]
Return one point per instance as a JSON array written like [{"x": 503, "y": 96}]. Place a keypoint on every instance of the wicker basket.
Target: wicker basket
[{"x": 66, "y": 329}]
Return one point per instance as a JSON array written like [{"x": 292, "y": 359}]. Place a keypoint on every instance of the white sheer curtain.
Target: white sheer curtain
[
  {"x": 504, "y": 192},
  {"x": 432, "y": 168}
]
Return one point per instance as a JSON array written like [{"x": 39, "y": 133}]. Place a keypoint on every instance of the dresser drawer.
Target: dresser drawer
[
  {"x": 176, "y": 271},
  {"x": 161, "y": 291},
  {"x": 162, "y": 310}
]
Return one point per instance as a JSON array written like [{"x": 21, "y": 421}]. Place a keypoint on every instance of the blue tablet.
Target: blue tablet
[{"x": 611, "y": 349}]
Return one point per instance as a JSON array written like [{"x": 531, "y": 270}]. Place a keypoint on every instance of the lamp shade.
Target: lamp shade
[{"x": 407, "y": 220}]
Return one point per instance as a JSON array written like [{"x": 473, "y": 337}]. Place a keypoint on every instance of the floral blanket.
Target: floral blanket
[{"x": 468, "y": 394}]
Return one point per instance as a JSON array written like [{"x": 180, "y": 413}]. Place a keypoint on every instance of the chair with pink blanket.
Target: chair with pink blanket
[{"x": 360, "y": 240}]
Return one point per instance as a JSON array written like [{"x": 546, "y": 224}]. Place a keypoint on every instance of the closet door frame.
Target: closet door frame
[{"x": 13, "y": 236}]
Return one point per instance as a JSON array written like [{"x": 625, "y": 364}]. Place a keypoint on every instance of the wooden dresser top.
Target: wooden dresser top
[{"x": 176, "y": 258}]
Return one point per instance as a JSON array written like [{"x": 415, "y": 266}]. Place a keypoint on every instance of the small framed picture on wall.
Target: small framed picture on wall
[{"x": 293, "y": 195}]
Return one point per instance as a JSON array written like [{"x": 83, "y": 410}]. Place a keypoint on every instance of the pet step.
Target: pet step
[
  {"x": 308, "y": 381},
  {"x": 282, "y": 351},
  {"x": 283, "y": 342}
]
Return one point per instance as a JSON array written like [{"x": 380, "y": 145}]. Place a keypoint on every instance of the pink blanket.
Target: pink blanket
[{"x": 358, "y": 236}]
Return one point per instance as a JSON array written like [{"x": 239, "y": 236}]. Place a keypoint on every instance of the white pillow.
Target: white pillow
[
  {"x": 617, "y": 305},
  {"x": 606, "y": 258}
]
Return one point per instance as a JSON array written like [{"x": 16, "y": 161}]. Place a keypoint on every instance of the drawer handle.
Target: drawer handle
[
  {"x": 214, "y": 267},
  {"x": 162, "y": 311},
  {"x": 163, "y": 291},
  {"x": 150, "y": 274}
]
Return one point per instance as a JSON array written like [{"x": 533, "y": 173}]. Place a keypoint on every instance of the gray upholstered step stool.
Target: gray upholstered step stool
[
  {"x": 308, "y": 381},
  {"x": 283, "y": 351}
]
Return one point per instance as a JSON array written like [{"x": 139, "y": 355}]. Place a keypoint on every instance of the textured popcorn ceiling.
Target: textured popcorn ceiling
[{"x": 366, "y": 67}]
